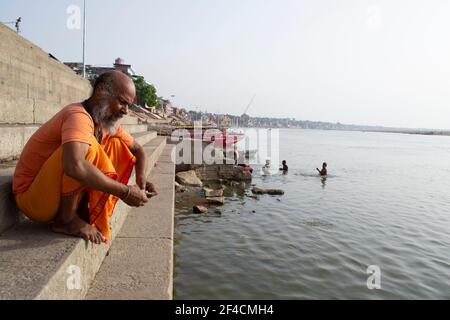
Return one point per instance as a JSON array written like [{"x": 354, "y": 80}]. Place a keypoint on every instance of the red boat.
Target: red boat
[{"x": 220, "y": 137}]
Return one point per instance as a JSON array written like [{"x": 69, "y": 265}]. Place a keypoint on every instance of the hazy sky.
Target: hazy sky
[{"x": 349, "y": 61}]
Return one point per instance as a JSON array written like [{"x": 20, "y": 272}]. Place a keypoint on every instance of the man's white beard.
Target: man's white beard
[{"x": 102, "y": 116}]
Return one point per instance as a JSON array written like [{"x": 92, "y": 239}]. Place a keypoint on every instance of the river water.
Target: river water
[{"x": 385, "y": 203}]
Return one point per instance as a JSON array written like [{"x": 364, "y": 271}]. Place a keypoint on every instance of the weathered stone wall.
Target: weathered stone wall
[
  {"x": 33, "y": 86},
  {"x": 214, "y": 172},
  {"x": 222, "y": 171}
]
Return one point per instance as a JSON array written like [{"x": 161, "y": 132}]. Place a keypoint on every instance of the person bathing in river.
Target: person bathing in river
[
  {"x": 324, "y": 171},
  {"x": 284, "y": 167},
  {"x": 266, "y": 167},
  {"x": 235, "y": 155}
]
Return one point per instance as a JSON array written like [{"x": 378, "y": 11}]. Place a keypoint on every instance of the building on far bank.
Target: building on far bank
[
  {"x": 244, "y": 120},
  {"x": 225, "y": 121},
  {"x": 92, "y": 72},
  {"x": 166, "y": 106}
]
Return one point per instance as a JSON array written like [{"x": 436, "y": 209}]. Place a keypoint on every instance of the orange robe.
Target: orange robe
[
  {"x": 41, "y": 201},
  {"x": 39, "y": 180}
]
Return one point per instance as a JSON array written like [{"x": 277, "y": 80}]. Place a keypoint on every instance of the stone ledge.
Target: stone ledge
[
  {"x": 140, "y": 263},
  {"x": 143, "y": 273},
  {"x": 36, "y": 262}
]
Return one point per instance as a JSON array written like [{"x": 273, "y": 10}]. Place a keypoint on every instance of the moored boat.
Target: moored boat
[{"x": 208, "y": 134}]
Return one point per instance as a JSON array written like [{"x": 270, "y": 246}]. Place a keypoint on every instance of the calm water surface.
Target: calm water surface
[{"x": 386, "y": 202}]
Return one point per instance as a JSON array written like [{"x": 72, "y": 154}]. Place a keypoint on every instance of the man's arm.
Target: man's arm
[
  {"x": 77, "y": 167},
  {"x": 141, "y": 164}
]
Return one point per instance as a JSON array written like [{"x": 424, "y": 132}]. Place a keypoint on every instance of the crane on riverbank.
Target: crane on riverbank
[{"x": 250, "y": 104}]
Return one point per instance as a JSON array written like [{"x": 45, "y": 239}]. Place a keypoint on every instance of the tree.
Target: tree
[{"x": 146, "y": 93}]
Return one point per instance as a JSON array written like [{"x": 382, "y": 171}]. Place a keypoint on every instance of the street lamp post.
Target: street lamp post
[{"x": 84, "y": 39}]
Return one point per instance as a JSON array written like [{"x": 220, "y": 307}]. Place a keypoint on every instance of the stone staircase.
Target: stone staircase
[{"x": 36, "y": 263}]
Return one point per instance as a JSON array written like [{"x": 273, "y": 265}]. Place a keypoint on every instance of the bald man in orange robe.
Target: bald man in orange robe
[{"x": 82, "y": 152}]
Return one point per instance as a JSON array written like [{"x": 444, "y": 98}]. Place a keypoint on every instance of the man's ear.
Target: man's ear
[
  {"x": 103, "y": 90},
  {"x": 98, "y": 91}
]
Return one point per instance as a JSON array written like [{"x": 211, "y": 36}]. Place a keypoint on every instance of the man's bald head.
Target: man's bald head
[
  {"x": 114, "y": 82},
  {"x": 114, "y": 93}
]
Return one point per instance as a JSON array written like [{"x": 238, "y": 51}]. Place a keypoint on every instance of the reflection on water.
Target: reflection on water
[
  {"x": 324, "y": 182},
  {"x": 385, "y": 203}
]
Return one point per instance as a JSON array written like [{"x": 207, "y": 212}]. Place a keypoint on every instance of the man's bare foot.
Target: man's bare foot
[{"x": 79, "y": 228}]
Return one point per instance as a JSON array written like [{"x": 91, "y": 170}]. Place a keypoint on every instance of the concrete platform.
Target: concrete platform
[
  {"x": 38, "y": 264},
  {"x": 9, "y": 213},
  {"x": 13, "y": 138},
  {"x": 140, "y": 262}
]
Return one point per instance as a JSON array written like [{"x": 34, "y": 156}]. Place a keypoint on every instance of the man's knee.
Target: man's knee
[
  {"x": 93, "y": 150},
  {"x": 115, "y": 141},
  {"x": 114, "y": 145}
]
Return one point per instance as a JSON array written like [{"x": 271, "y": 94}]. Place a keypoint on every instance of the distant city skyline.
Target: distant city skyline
[{"x": 364, "y": 62}]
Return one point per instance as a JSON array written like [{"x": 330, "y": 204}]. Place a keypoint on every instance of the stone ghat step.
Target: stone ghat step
[
  {"x": 39, "y": 264},
  {"x": 9, "y": 213},
  {"x": 129, "y": 120},
  {"x": 140, "y": 262},
  {"x": 14, "y": 137}
]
